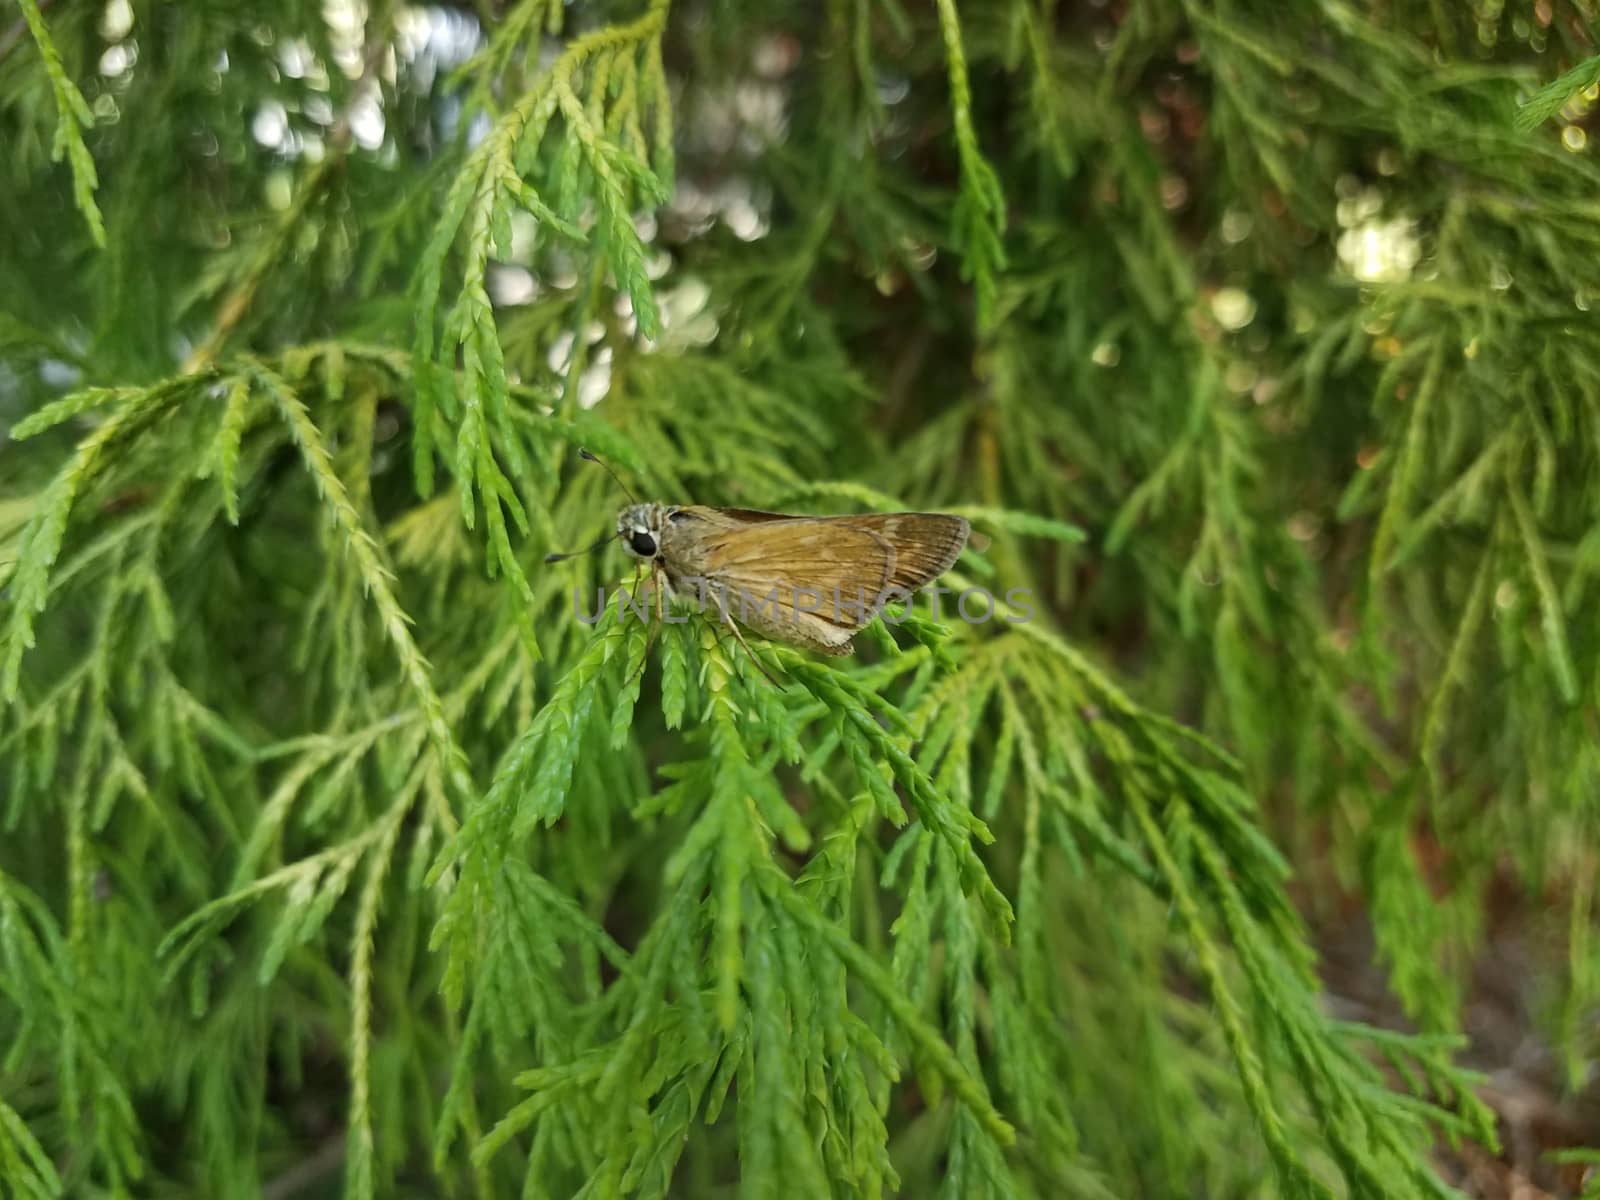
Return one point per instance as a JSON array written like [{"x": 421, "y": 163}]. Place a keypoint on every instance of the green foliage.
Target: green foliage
[
  {"x": 344, "y": 836},
  {"x": 1554, "y": 96},
  {"x": 73, "y": 117}
]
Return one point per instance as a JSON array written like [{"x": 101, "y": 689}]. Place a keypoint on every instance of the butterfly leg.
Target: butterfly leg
[
  {"x": 728, "y": 621},
  {"x": 633, "y": 601},
  {"x": 638, "y": 582},
  {"x": 655, "y": 626}
]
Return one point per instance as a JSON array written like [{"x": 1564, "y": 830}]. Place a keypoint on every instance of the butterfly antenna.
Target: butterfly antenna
[
  {"x": 583, "y": 453},
  {"x": 555, "y": 558}
]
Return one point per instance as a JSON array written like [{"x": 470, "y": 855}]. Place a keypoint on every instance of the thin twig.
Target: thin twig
[
  {"x": 322, "y": 1161},
  {"x": 9, "y": 40}
]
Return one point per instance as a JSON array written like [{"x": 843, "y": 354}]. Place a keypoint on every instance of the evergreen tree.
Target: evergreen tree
[{"x": 342, "y": 857}]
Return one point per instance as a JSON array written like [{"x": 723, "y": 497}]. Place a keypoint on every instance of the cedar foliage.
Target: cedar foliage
[{"x": 1256, "y": 336}]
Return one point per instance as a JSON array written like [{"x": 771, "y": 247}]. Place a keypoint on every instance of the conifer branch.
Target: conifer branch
[
  {"x": 376, "y": 579},
  {"x": 72, "y": 118},
  {"x": 979, "y": 217},
  {"x": 1549, "y": 100}
]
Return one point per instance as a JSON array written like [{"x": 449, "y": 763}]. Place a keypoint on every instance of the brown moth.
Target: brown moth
[{"x": 809, "y": 581}]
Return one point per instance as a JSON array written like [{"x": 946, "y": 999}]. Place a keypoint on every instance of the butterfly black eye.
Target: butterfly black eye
[{"x": 643, "y": 544}]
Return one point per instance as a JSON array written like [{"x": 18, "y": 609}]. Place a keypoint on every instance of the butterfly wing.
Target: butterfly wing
[
  {"x": 811, "y": 580},
  {"x": 926, "y": 544}
]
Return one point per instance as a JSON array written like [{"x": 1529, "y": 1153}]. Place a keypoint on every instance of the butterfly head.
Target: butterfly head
[{"x": 639, "y": 527}]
